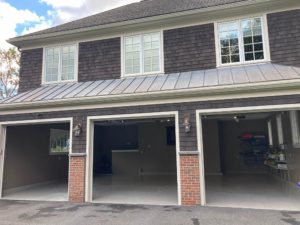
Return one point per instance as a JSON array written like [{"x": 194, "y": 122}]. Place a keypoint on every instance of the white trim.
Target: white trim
[
  {"x": 200, "y": 145},
  {"x": 60, "y": 46},
  {"x": 2, "y": 156},
  {"x": 265, "y": 37},
  {"x": 233, "y": 110},
  {"x": 141, "y": 35},
  {"x": 3, "y": 127},
  {"x": 90, "y": 141}
]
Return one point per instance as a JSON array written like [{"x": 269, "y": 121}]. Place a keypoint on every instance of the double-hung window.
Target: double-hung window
[
  {"x": 142, "y": 54},
  {"x": 241, "y": 41},
  {"x": 295, "y": 128},
  {"x": 60, "y": 64}
]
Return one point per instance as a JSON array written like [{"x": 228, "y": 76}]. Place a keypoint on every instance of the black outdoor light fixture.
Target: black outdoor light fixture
[
  {"x": 238, "y": 118},
  {"x": 77, "y": 130},
  {"x": 186, "y": 123}
]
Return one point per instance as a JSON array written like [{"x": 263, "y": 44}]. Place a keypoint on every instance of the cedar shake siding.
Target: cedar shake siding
[
  {"x": 31, "y": 65},
  {"x": 284, "y": 36},
  {"x": 188, "y": 141},
  {"x": 185, "y": 49},
  {"x": 189, "y": 48},
  {"x": 99, "y": 60}
]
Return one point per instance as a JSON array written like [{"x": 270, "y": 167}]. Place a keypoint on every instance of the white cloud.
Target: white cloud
[
  {"x": 61, "y": 11},
  {"x": 64, "y": 3},
  {"x": 10, "y": 17},
  {"x": 75, "y": 9}
]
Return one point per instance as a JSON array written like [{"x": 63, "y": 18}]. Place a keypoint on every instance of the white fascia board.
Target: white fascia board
[
  {"x": 216, "y": 92},
  {"x": 17, "y": 41}
]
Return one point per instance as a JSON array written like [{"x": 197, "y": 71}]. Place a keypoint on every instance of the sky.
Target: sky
[{"x": 18, "y": 17}]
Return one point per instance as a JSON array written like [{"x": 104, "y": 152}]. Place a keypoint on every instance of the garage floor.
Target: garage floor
[
  {"x": 54, "y": 191},
  {"x": 251, "y": 191},
  {"x": 149, "y": 190}
]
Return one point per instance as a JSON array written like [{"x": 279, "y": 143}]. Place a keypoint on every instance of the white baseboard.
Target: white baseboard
[
  {"x": 214, "y": 174},
  {"x": 157, "y": 174},
  {"x": 245, "y": 172},
  {"x": 24, "y": 187}
]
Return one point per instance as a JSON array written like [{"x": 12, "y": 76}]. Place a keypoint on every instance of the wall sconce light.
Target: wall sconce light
[
  {"x": 77, "y": 130},
  {"x": 187, "y": 124}
]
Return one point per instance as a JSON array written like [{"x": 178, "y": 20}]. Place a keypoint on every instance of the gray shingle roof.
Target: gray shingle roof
[
  {"x": 143, "y": 9},
  {"x": 188, "y": 81}
]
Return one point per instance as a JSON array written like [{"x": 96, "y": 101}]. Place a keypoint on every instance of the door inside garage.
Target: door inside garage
[
  {"x": 36, "y": 162},
  {"x": 135, "y": 161},
  {"x": 252, "y": 160}
]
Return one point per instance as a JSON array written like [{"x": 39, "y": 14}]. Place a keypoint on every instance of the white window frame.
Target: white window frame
[
  {"x": 270, "y": 132},
  {"x": 59, "y": 80},
  {"x": 279, "y": 129},
  {"x": 141, "y": 73},
  {"x": 295, "y": 128},
  {"x": 265, "y": 36}
]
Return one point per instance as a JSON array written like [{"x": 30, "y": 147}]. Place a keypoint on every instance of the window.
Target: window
[
  {"x": 142, "y": 54},
  {"x": 270, "y": 133},
  {"x": 59, "y": 141},
  {"x": 295, "y": 128},
  {"x": 60, "y": 63},
  {"x": 241, "y": 41},
  {"x": 279, "y": 129}
]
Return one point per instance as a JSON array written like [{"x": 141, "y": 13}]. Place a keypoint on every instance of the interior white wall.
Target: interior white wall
[{"x": 27, "y": 158}]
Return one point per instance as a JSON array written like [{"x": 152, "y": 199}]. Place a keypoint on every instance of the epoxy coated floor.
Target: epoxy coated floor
[
  {"x": 151, "y": 190},
  {"x": 55, "y": 191},
  {"x": 251, "y": 191}
]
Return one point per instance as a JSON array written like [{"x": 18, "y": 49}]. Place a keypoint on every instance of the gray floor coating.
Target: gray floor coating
[{"x": 236, "y": 191}]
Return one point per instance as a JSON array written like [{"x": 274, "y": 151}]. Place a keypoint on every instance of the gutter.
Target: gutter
[
  {"x": 217, "y": 91},
  {"x": 15, "y": 40}
]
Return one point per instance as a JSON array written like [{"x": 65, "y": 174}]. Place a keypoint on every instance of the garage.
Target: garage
[
  {"x": 134, "y": 161},
  {"x": 36, "y": 160},
  {"x": 252, "y": 160}
]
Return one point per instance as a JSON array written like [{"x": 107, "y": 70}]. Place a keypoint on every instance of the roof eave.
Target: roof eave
[
  {"x": 160, "y": 95},
  {"x": 17, "y": 41}
]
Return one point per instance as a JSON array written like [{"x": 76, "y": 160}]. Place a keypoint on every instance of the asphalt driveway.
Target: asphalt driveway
[{"x": 61, "y": 213}]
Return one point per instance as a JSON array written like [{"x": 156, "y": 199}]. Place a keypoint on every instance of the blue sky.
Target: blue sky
[
  {"x": 33, "y": 5},
  {"x": 26, "y": 16}
]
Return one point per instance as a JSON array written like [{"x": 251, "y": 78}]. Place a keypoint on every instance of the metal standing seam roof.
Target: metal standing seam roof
[
  {"x": 138, "y": 10},
  {"x": 218, "y": 78}
]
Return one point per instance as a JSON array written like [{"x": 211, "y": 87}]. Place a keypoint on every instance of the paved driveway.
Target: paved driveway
[{"x": 61, "y": 213}]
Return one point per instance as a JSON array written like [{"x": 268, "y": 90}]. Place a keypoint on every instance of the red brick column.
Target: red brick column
[
  {"x": 77, "y": 177},
  {"x": 190, "y": 178}
]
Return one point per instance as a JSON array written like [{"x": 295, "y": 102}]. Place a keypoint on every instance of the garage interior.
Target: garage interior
[
  {"x": 252, "y": 160},
  {"x": 36, "y": 162},
  {"x": 135, "y": 162}
]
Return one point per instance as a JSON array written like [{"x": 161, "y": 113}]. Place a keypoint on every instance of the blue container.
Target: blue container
[{"x": 299, "y": 184}]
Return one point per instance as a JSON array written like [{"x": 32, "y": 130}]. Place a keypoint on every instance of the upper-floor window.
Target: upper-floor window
[
  {"x": 142, "y": 54},
  {"x": 241, "y": 41},
  {"x": 60, "y": 64}
]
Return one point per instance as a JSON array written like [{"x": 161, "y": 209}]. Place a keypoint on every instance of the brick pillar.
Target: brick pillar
[
  {"x": 77, "y": 177},
  {"x": 190, "y": 178}
]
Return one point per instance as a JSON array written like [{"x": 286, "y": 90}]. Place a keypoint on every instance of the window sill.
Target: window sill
[
  {"x": 59, "y": 82},
  {"x": 244, "y": 63},
  {"x": 142, "y": 74}
]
